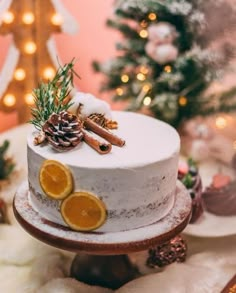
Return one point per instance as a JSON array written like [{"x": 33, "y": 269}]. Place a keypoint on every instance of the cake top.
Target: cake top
[
  {"x": 148, "y": 140},
  {"x": 69, "y": 129}
]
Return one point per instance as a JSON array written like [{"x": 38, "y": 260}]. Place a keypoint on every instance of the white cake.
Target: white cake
[{"x": 136, "y": 182}]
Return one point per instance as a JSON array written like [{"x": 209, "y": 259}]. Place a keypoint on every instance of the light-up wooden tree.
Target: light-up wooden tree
[{"x": 32, "y": 56}]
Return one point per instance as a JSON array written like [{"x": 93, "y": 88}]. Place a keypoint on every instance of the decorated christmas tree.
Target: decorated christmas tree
[
  {"x": 32, "y": 56},
  {"x": 167, "y": 61}
]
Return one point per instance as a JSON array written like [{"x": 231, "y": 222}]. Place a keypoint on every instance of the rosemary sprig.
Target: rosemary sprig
[{"x": 52, "y": 97}]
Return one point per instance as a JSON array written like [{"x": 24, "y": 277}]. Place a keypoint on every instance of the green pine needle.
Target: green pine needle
[
  {"x": 52, "y": 97},
  {"x": 6, "y": 164}
]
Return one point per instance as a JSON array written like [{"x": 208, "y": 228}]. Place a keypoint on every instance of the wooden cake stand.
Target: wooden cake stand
[{"x": 101, "y": 258}]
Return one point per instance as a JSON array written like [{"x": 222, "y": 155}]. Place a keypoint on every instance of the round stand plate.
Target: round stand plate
[
  {"x": 210, "y": 225},
  {"x": 103, "y": 243}
]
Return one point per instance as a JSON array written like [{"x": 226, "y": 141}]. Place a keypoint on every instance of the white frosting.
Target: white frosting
[
  {"x": 88, "y": 105},
  {"x": 136, "y": 182}
]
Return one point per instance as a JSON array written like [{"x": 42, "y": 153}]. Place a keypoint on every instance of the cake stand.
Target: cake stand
[{"x": 102, "y": 257}]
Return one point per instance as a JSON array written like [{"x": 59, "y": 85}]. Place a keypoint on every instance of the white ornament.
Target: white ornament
[
  {"x": 88, "y": 104},
  {"x": 199, "y": 150},
  {"x": 161, "y": 33},
  {"x": 165, "y": 53}
]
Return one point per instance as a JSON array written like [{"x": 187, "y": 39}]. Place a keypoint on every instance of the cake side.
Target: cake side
[{"x": 137, "y": 183}]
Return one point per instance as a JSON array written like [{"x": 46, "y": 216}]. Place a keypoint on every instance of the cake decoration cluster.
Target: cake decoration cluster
[
  {"x": 64, "y": 122},
  {"x": 81, "y": 210},
  {"x": 188, "y": 174}
]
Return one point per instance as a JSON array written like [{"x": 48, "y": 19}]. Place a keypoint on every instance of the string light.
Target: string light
[
  {"x": 221, "y": 122},
  {"x": 19, "y": 74},
  {"x": 143, "y": 34},
  {"x": 49, "y": 73},
  {"x": 147, "y": 101},
  {"x": 143, "y": 69},
  {"x": 140, "y": 76},
  {"x": 143, "y": 23},
  {"x": 168, "y": 69},
  {"x": 9, "y": 100},
  {"x": 146, "y": 87},
  {"x": 8, "y": 17},
  {"x": 28, "y": 18},
  {"x": 183, "y": 101},
  {"x": 152, "y": 16},
  {"x": 124, "y": 78},
  {"x": 119, "y": 91},
  {"x": 30, "y": 47},
  {"x": 29, "y": 99},
  {"x": 56, "y": 19}
]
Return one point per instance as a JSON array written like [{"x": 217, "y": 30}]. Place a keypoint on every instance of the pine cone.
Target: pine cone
[
  {"x": 63, "y": 131},
  {"x": 101, "y": 120},
  {"x": 173, "y": 251}
]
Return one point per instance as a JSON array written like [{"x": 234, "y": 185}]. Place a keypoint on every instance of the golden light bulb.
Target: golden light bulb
[
  {"x": 119, "y": 91},
  {"x": 49, "y": 73},
  {"x": 143, "y": 69},
  {"x": 30, "y": 47},
  {"x": 8, "y": 17},
  {"x": 221, "y": 122},
  {"x": 143, "y": 34},
  {"x": 146, "y": 88},
  {"x": 183, "y": 101},
  {"x": 140, "y": 76},
  {"x": 28, "y": 18},
  {"x": 19, "y": 74},
  {"x": 56, "y": 19},
  {"x": 152, "y": 16},
  {"x": 147, "y": 101},
  {"x": 143, "y": 23},
  {"x": 168, "y": 69},
  {"x": 29, "y": 99},
  {"x": 9, "y": 100},
  {"x": 124, "y": 78}
]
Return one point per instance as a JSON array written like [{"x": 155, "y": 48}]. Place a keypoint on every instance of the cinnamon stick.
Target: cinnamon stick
[
  {"x": 230, "y": 286},
  {"x": 106, "y": 134},
  {"x": 102, "y": 147}
]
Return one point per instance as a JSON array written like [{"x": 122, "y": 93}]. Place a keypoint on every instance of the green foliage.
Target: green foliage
[
  {"x": 176, "y": 94},
  {"x": 52, "y": 97},
  {"x": 6, "y": 164}
]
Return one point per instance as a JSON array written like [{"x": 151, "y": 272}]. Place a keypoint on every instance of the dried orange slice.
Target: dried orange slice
[
  {"x": 83, "y": 211},
  {"x": 55, "y": 179}
]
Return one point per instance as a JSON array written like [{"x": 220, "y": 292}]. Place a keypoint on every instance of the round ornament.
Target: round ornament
[
  {"x": 165, "y": 53},
  {"x": 162, "y": 33}
]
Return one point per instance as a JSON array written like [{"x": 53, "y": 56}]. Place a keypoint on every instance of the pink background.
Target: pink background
[{"x": 93, "y": 41}]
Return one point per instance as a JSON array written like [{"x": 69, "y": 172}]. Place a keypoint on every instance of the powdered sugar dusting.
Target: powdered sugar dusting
[{"x": 176, "y": 216}]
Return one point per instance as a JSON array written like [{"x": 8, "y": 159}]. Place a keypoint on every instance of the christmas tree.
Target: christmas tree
[
  {"x": 32, "y": 56},
  {"x": 166, "y": 62}
]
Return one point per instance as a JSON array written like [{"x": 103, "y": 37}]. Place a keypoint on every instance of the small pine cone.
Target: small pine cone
[
  {"x": 98, "y": 118},
  {"x": 63, "y": 131},
  {"x": 101, "y": 120},
  {"x": 173, "y": 251}
]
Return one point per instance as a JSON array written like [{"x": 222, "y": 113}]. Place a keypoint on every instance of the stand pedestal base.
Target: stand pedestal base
[{"x": 110, "y": 271}]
